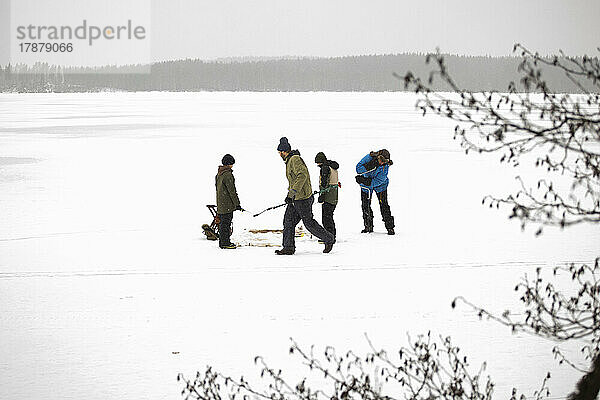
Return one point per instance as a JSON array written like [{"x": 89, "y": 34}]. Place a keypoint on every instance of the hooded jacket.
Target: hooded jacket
[
  {"x": 299, "y": 187},
  {"x": 328, "y": 182},
  {"x": 227, "y": 198},
  {"x": 369, "y": 167}
]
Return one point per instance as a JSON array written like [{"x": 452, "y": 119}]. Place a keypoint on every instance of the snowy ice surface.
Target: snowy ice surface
[{"x": 108, "y": 288}]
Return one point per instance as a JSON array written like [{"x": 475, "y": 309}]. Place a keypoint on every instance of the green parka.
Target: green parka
[
  {"x": 298, "y": 177},
  {"x": 227, "y": 198}
]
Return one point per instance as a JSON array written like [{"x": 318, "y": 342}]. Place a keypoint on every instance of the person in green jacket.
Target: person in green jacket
[
  {"x": 328, "y": 190},
  {"x": 227, "y": 200},
  {"x": 299, "y": 201}
]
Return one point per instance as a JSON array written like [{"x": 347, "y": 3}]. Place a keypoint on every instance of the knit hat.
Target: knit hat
[
  {"x": 284, "y": 145},
  {"x": 320, "y": 158},
  {"x": 228, "y": 160}
]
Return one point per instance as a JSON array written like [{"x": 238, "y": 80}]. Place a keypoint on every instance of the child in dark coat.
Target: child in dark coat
[{"x": 328, "y": 190}]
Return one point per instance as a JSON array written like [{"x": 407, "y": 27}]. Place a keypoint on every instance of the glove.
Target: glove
[
  {"x": 290, "y": 196},
  {"x": 363, "y": 181},
  {"x": 320, "y": 199}
]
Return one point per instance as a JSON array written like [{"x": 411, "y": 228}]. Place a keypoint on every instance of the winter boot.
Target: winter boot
[
  {"x": 285, "y": 252},
  {"x": 328, "y": 247},
  {"x": 389, "y": 224},
  {"x": 367, "y": 230},
  {"x": 229, "y": 246}
]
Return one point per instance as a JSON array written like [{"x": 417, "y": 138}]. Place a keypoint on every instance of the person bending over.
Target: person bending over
[{"x": 372, "y": 176}]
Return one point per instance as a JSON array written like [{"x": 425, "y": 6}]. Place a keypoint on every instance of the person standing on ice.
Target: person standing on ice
[
  {"x": 372, "y": 177},
  {"x": 227, "y": 200},
  {"x": 328, "y": 190},
  {"x": 299, "y": 201}
]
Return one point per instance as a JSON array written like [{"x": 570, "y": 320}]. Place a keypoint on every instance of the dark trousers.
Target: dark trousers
[
  {"x": 327, "y": 218},
  {"x": 301, "y": 210},
  {"x": 225, "y": 229},
  {"x": 367, "y": 212}
]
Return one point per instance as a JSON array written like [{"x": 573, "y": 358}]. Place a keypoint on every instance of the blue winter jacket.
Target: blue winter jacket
[{"x": 378, "y": 175}]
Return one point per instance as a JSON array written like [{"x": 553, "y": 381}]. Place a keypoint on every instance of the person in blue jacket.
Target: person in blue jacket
[{"x": 372, "y": 177}]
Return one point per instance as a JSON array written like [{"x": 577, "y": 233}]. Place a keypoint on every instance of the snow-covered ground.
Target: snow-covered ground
[{"x": 108, "y": 288}]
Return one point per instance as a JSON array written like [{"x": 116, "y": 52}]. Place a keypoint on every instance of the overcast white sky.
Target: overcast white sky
[
  {"x": 224, "y": 28},
  {"x": 209, "y": 29}
]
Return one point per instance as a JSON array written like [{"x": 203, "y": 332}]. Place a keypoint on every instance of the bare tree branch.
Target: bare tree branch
[{"x": 561, "y": 130}]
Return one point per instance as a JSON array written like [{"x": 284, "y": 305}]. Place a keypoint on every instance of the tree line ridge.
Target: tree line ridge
[{"x": 367, "y": 73}]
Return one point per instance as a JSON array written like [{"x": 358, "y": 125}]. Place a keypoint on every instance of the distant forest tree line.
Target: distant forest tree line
[{"x": 370, "y": 73}]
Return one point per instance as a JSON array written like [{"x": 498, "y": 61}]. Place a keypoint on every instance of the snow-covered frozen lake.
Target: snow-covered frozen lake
[{"x": 108, "y": 288}]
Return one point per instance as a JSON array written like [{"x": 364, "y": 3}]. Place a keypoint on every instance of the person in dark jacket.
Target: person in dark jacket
[
  {"x": 328, "y": 190},
  {"x": 372, "y": 172},
  {"x": 227, "y": 200},
  {"x": 299, "y": 201}
]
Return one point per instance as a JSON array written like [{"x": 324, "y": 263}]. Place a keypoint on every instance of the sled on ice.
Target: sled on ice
[{"x": 212, "y": 231}]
